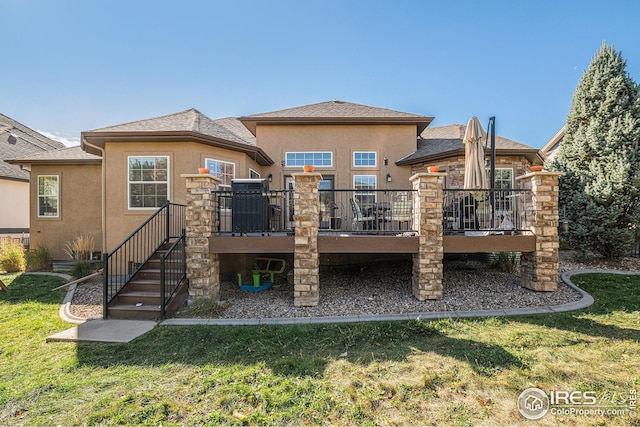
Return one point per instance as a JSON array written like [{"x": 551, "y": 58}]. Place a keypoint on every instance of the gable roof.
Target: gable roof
[
  {"x": 191, "y": 124},
  {"x": 552, "y": 146},
  {"x": 190, "y": 120},
  {"x": 17, "y": 140},
  {"x": 335, "y": 112},
  {"x": 446, "y": 141}
]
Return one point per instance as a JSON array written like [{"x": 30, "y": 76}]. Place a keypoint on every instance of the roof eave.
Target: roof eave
[
  {"x": 99, "y": 139},
  {"x": 534, "y": 156},
  {"x": 252, "y": 122}
]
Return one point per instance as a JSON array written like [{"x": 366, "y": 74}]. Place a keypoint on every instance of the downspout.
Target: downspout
[{"x": 104, "y": 194}]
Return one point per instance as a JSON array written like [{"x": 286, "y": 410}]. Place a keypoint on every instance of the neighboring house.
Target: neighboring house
[
  {"x": 351, "y": 145},
  {"x": 17, "y": 140},
  {"x": 551, "y": 148}
]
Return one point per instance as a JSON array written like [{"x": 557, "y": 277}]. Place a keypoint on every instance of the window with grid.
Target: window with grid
[
  {"x": 148, "y": 181},
  {"x": 309, "y": 158},
  {"x": 504, "y": 181},
  {"x": 365, "y": 186},
  {"x": 48, "y": 196},
  {"x": 226, "y": 172},
  {"x": 364, "y": 159}
]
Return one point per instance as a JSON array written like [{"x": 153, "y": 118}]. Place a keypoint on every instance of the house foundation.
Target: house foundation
[
  {"x": 203, "y": 267},
  {"x": 539, "y": 269}
]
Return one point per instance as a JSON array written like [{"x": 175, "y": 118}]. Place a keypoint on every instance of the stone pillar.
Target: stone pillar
[
  {"x": 539, "y": 269},
  {"x": 427, "y": 210},
  {"x": 306, "y": 220},
  {"x": 203, "y": 267}
]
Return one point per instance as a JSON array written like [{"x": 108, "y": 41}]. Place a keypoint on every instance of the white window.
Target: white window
[
  {"x": 365, "y": 186},
  {"x": 148, "y": 181},
  {"x": 364, "y": 159},
  {"x": 48, "y": 196},
  {"x": 254, "y": 174},
  {"x": 225, "y": 171},
  {"x": 311, "y": 158},
  {"x": 504, "y": 181}
]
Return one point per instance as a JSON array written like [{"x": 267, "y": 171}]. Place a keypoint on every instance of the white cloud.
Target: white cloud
[{"x": 68, "y": 140}]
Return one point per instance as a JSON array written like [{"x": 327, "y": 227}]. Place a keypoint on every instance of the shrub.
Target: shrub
[
  {"x": 506, "y": 261},
  {"x": 81, "y": 248},
  {"x": 38, "y": 259},
  {"x": 81, "y": 269},
  {"x": 12, "y": 257}
]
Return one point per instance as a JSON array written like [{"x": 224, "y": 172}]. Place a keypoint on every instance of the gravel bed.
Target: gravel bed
[{"x": 384, "y": 288}]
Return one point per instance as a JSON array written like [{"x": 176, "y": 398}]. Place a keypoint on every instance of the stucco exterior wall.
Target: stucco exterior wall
[
  {"x": 391, "y": 141},
  {"x": 184, "y": 158},
  {"x": 79, "y": 208},
  {"x": 14, "y": 208}
]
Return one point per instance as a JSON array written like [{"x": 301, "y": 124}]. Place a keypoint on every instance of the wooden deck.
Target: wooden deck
[{"x": 279, "y": 243}]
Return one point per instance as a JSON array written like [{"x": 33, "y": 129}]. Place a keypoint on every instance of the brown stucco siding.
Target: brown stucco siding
[
  {"x": 79, "y": 208},
  {"x": 184, "y": 157},
  {"x": 391, "y": 141}
]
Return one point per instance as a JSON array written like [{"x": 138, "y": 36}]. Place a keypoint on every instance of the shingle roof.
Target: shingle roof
[
  {"x": 190, "y": 120},
  {"x": 438, "y": 142},
  {"x": 335, "y": 112},
  {"x": 335, "y": 109},
  {"x": 68, "y": 154},
  {"x": 17, "y": 140}
]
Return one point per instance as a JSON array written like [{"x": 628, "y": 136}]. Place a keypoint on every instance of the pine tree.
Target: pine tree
[{"x": 600, "y": 158}]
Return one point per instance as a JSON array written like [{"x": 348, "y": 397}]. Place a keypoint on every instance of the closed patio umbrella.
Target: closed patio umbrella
[{"x": 475, "y": 175}]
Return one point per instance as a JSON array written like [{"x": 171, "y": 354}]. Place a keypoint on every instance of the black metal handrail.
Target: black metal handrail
[
  {"x": 122, "y": 263},
  {"x": 173, "y": 271},
  {"x": 485, "y": 210}
]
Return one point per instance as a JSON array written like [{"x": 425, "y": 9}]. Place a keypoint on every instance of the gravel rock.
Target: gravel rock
[{"x": 384, "y": 288}]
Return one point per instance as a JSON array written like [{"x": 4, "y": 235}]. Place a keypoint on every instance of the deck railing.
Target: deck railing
[
  {"x": 254, "y": 212},
  {"x": 366, "y": 211},
  {"x": 128, "y": 257},
  {"x": 371, "y": 211},
  {"x": 485, "y": 210}
]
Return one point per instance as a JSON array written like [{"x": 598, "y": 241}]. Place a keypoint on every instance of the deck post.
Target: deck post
[
  {"x": 539, "y": 269},
  {"x": 426, "y": 282},
  {"x": 306, "y": 221},
  {"x": 203, "y": 267}
]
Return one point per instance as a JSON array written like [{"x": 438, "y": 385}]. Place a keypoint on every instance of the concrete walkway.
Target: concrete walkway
[{"x": 124, "y": 331}]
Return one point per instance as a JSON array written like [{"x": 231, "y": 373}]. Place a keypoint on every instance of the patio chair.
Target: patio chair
[
  {"x": 400, "y": 212},
  {"x": 361, "y": 222}
]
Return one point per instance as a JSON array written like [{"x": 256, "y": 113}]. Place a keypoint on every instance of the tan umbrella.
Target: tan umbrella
[{"x": 475, "y": 175}]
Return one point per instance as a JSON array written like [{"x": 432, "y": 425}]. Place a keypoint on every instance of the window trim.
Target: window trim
[
  {"x": 168, "y": 181},
  {"x": 375, "y": 160},
  {"x": 207, "y": 159},
  {"x": 287, "y": 164},
  {"x": 57, "y": 196},
  {"x": 253, "y": 171}
]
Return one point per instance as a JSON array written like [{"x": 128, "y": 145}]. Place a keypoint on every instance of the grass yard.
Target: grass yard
[{"x": 448, "y": 372}]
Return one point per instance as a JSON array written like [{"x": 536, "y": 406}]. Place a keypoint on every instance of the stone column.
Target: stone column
[
  {"x": 539, "y": 269},
  {"x": 427, "y": 210},
  {"x": 203, "y": 267},
  {"x": 306, "y": 220}
]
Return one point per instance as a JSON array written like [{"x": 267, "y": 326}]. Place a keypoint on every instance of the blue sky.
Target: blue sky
[{"x": 70, "y": 66}]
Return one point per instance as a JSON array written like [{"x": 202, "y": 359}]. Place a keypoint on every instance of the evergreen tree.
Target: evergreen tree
[{"x": 600, "y": 158}]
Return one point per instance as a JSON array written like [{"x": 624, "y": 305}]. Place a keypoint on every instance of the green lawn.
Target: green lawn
[{"x": 448, "y": 372}]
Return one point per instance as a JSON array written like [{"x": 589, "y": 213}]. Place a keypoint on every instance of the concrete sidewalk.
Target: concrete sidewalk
[{"x": 108, "y": 331}]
